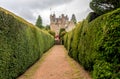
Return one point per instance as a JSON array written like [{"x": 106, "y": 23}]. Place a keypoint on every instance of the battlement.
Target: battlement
[
  {"x": 61, "y": 19},
  {"x": 56, "y": 23}
]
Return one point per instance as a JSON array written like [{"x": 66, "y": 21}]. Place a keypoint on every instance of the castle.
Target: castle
[{"x": 62, "y": 22}]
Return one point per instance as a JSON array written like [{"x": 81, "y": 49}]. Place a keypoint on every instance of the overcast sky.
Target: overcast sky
[{"x": 30, "y": 9}]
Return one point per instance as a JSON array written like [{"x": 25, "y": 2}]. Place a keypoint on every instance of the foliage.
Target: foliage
[
  {"x": 39, "y": 22},
  {"x": 75, "y": 38},
  {"x": 62, "y": 32},
  {"x": 47, "y": 27},
  {"x": 51, "y": 32},
  {"x": 61, "y": 35},
  {"x": 74, "y": 18},
  {"x": 67, "y": 42},
  {"x": 96, "y": 45},
  {"x": 21, "y": 44},
  {"x": 91, "y": 16},
  {"x": 102, "y": 70},
  {"x": 103, "y": 6}
]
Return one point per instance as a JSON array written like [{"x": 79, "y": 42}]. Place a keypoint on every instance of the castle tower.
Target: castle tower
[
  {"x": 62, "y": 22},
  {"x": 52, "y": 18}
]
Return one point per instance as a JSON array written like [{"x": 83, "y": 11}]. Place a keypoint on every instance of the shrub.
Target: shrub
[
  {"x": 21, "y": 44},
  {"x": 75, "y": 41},
  {"x": 51, "y": 32},
  {"x": 98, "y": 40},
  {"x": 102, "y": 70},
  {"x": 68, "y": 42}
]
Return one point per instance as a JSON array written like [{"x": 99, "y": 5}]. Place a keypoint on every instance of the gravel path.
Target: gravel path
[{"x": 56, "y": 64}]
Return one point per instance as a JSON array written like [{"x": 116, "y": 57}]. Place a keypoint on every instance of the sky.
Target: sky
[{"x": 30, "y": 9}]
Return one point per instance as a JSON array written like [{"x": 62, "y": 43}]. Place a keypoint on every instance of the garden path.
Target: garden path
[{"x": 56, "y": 64}]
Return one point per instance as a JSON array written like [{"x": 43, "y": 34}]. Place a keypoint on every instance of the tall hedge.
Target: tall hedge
[
  {"x": 21, "y": 44},
  {"x": 96, "y": 45}
]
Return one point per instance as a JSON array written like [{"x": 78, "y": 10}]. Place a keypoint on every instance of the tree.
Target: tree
[
  {"x": 91, "y": 16},
  {"x": 103, "y": 6},
  {"x": 61, "y": 34},
  {"x": 39, "y": 22},
  {"x": 74, "y": 18},
  {"x": 47, "y": 27}
]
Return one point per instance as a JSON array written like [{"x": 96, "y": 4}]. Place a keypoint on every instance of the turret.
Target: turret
[
  {"x": 52, "y": 18},
  {"x": 66, "y": 18}
]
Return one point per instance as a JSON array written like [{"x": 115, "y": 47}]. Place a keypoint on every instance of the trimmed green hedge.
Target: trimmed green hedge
[
  {"x": 21, "y": 44},
  {"x": 96, "y": 45}
]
